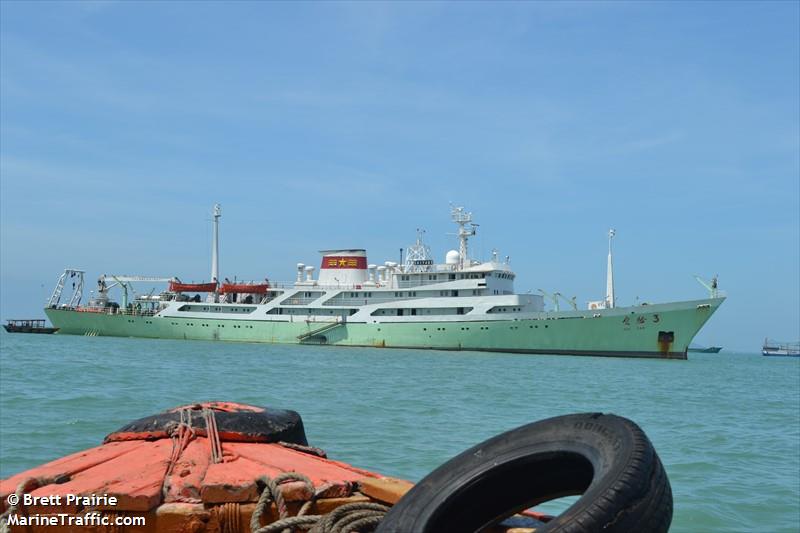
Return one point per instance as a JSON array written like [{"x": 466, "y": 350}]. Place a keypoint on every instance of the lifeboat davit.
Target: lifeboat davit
[
  {"x": 177, "y": 286},
  {"x": 244, "y": 288}
]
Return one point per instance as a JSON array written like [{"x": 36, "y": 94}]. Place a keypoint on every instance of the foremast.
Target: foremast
[
  {"x": 462, "y": 218},
  {"x": 610, "y": 300},
  {"x": 215, "y": 249}
]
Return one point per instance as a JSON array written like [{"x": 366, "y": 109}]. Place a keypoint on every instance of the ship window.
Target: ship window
[
  {"x": 451, "y": 276},
  {"x": 413, "y": 311}
]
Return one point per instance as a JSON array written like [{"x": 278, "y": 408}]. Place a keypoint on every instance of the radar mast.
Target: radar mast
[
  {"x": 418, "y": 257},
  {"x": 462, "y": 218}
]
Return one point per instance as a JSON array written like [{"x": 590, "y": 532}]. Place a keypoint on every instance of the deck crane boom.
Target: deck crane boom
[
  {"x": 125, "y": 283},
  {"x": 571, "y": 301},
  {"x": 711, "y": 286},
  {"x": 553, "y": 297}
]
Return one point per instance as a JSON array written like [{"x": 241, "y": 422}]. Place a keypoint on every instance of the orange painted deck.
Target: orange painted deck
[{"x": 177, "y": 487}]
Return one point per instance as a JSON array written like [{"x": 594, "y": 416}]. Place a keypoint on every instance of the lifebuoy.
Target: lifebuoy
[
  {"x": 605, "y": 458},
  {"x": 234, "y": 422}
]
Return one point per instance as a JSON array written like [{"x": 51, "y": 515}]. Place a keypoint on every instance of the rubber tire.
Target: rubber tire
[{"x": 606, "y": 458}]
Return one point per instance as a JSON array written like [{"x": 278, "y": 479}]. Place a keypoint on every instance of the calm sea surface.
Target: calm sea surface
[{"x": 726, "y": 426}]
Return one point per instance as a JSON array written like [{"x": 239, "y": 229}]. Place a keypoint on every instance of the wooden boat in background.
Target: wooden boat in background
[
  {"x": 35, "y": 325},
  {"x": 701, "y": 349}
]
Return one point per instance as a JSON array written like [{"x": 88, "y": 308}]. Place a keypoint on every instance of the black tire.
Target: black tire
[{"x": 606, "y": 458}]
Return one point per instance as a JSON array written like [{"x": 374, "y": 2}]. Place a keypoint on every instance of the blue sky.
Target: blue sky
[{"x": 319, "y": 125}]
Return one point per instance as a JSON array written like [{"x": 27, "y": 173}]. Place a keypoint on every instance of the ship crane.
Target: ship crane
[
  {"x": 711, "y": 286},
  {"x": 125, "y": 283},
  {"x": 571, "y": 301},
  {"x": 553, "y": 297}
]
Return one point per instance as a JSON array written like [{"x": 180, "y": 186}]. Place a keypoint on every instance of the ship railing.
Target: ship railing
[
  {"x": 419, "y": 282},
  {"x": 116, "y": 311},
  {"x": 371, "y": 300},
  {"x": 299, "y": 301},
  {"x": 305, "y": 285}
]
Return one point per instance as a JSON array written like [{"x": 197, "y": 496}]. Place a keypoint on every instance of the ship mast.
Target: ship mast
[
  {"x": 462, "y": 218},
  {"x": 215, "y": 244},
  {"x": 610, "y": 300}
]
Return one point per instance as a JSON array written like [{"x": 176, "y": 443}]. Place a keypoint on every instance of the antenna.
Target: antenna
[{"x": 462, "y": 218}]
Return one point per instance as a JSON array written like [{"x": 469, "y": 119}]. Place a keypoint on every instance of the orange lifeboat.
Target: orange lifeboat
[
  {"x": 177, "y": 286},
  {"x": 244, "y": 288}
]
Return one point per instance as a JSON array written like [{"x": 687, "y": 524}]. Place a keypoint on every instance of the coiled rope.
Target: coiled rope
[
  {"x": 351, "y": 517},
  {"x": 26, "y": 485},
  {"x": 361, "y": 516}
]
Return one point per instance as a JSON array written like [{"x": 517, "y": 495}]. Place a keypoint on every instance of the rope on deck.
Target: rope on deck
[
  {"x": 25, "y": 486},
  {"x": 362, "y": 516},
  {"x": 181, "y": 434},
  {"x": 213, "y": 435}
]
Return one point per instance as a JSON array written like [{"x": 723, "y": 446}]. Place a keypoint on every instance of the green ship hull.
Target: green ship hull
[{"x": 652, "y": 331}]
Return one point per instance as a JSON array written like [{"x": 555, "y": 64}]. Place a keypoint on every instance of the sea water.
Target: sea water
[{"x": 726, "y": 426}]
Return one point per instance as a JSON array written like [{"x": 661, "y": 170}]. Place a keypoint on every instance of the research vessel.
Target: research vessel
[{"x": 461, "y": 304}]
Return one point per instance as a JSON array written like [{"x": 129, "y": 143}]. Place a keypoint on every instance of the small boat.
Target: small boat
[
  {"x": 701, "y": 349},
  {"x": 780, "y": 349},
  {"x": 35, "y": 325},
  {"x": 235, "y": 468},
  {"x": 244, "y": 288},
  {"x": 177, "y": 286}
]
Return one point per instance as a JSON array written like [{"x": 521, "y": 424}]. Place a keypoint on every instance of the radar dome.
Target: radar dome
[{"x": 452, "y": 257}]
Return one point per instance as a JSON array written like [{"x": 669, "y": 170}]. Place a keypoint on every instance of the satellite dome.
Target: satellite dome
[{"x": 452, "y": 257}]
